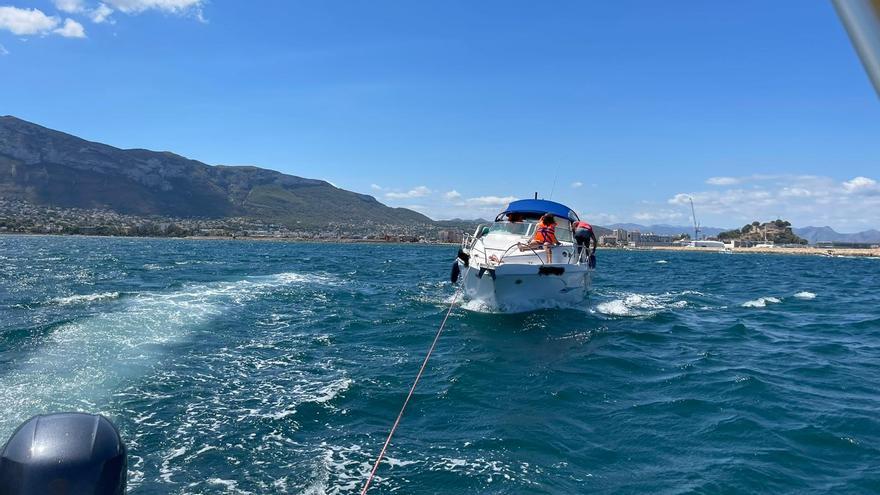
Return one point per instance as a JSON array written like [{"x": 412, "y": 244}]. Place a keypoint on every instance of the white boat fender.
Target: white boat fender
[
  {"x": 67, "y": 453},
  {"x": 464, "y": 257}
]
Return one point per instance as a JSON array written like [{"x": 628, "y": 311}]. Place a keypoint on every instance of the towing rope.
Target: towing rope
[{"x": 411, "y": 390}]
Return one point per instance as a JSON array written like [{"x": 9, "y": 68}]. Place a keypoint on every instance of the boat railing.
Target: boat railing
[
  {"x": 474, "y": 245},
  {"x": 519, "y": 245}
]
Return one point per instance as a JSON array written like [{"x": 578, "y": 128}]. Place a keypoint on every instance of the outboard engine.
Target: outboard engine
[{"x": 64, "y": 454}]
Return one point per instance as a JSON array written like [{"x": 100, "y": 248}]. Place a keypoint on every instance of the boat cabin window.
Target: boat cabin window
[{"x": 515, "y": 228}]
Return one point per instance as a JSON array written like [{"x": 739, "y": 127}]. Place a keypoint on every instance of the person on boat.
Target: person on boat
[
  {"x": 584, "y": 235},
  {"x": 545, "y": 236},
  {"x": 515, "y": 217}
]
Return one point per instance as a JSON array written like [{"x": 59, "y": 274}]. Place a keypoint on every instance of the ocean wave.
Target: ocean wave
[
  {"x": 641, "y": 305},
  {"x": 761, "y": 302},
  {"x": 84, "y": 298},
  {"x": 156, "y": 266},
  {"x": 329, "y": 392},
  {"x": 805, "y": 295}
]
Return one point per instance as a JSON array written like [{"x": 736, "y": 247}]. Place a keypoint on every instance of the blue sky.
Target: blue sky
[{"x": 757, "y": 109}]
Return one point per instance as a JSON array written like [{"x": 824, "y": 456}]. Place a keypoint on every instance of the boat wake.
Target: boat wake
[
  {"x": 85, "y": 298},
  {"x": 80, "y": 363}
]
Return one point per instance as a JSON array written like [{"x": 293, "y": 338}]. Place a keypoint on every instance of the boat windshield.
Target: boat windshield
[
  {"x": 563, "y": 230},
  {"x": 527, "y": 228},
  {"x": 515, "y": 228}
]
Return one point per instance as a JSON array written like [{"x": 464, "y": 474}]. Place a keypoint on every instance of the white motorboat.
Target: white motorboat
[{"x": 501, "y": 272}]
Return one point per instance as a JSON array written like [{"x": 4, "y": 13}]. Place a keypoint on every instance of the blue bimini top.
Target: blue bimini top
[{"x": 539, "y": 207}]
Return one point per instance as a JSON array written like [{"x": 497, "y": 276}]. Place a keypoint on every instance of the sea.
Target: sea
[{"x": 266, "y": 367}]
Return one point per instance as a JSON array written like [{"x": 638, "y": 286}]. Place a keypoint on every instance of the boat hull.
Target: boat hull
[{"x": 513, "y": 288}]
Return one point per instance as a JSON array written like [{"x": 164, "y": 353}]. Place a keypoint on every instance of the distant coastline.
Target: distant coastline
[
  {"x": 801, "y": 251},
  {"x": 291, "y": 240},
  {"x": 798, "y": 251}
]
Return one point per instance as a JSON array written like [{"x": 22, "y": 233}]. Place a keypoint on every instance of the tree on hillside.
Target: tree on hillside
[{"x": 730, "y": 234}]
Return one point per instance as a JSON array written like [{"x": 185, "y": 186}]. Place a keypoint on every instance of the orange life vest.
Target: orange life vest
[
  {"x": 546, "y": 233},
  {"x": 582, "y": 225}
]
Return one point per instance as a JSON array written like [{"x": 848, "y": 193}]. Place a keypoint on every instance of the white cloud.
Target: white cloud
[
  {"x": 70, "y": 6},
  {"x": 600, "y": 218},
  {"x": 659, "y": 216},
  {"x": 171, "y": 6},
  {"x": 416, "y": 192},
  {"x": 3, "y": 51},
  {"x": 577, "y": 184},
  {"x": 375, "y": 187},
  {"x": 795, "y": 192},
  {"x": 490, "y": 200},
  {"x": 802, "y": 199},
  {"x": 453, "y": 194},
  {"x": 98, "y": 15},
  {"x": 723, "y": 181},
  {"x": 71, "y": 29},
  {"x": 861, "y": 185},
  {"x": 24, "y": 22},
  {"x": 680, "y": 199},
  {"x": 101, "y": 14}
]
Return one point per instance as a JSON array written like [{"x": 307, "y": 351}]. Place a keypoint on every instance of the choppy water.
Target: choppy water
[{"x": 235, "y": 367}]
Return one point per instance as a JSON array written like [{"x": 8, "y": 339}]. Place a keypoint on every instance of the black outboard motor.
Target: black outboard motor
[{"x": 64, "y": 454}]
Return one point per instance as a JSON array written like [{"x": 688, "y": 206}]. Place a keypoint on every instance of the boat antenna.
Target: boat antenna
[
  {"x": 555, "y": 176},
  {"x": 536, "y": 194},
  {"x": 694, "y": 215}
]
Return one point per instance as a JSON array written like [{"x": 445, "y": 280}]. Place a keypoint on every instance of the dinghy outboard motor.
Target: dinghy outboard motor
[{"x": 64, "y": 454}]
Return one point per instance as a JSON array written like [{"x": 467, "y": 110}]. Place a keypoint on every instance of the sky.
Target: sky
[{"x": 622, "y": 110}]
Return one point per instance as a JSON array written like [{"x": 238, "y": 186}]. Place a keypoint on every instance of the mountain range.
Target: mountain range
[
  {"x": 48, "y": 167},
  {"x": 827, "y": 234}
]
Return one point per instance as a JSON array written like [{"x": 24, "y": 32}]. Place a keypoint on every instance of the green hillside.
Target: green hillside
[{"x": 47, "y": 167}]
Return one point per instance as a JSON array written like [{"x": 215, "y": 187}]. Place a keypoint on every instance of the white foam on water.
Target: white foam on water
[
  {"x": 80, "y": 363},
  {"x": 641, "y": 305},
  {"x": 477, "y": 306},
  {"x": 84, "y": 298},
  {"x": 255, "y": 386},
  {"x": 230, "y": 486},
  {"x": 661, "y": 262},
  {"x": 155, "y": 266},
  {"x": 481, "y": 467},
  {"x": 805, "y": 295},
  {"x": 329, "y": 392},
  {"x": 345, "y": 467},
  {"x": 481, "y": 306},
  {"x": 761, "y": 302}
]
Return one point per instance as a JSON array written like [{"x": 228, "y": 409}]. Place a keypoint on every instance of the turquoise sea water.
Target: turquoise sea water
[{"x": 236, "y": 367}]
